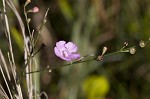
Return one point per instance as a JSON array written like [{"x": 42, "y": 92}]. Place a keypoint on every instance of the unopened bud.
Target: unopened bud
[
  {"x": 28, "y": 0},
  {"x": 35, "y": 9},
  {"x": 49, "y": 70},
  {"x": 125, "y": 43},
  {"x": 104, "y": 50},
  {"x": 132, "y": 50},
  {"x": 142, "y": 44},
  {"x": 48, "y": 67},
  {"x": 100, "y": 57}
]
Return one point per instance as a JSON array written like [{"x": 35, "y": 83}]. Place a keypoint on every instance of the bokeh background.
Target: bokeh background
[{"x": 91, "y": 25}]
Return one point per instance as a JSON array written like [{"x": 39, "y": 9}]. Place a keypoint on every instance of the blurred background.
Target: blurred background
[{"x": 91, "y": 25}]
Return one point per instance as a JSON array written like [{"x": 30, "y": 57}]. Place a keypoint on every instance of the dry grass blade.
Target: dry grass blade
[
  {"x": 13, "y": 66},
  {"x": 10, "y": 45},
  {"x": 26, "y": 48},
  {"x": 6, "y": 81},
  {"x": 44, "y": 93},
  {"x": 5, "y": 65},
  {"x": 11, "y": 5},
  {"x": 10, "y": 54},
  {"x": 19, "y": 96},
  {"x": 3, "y": 93}
]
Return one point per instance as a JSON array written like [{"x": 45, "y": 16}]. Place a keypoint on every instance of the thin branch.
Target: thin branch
[{"x": 92, "y": 59}]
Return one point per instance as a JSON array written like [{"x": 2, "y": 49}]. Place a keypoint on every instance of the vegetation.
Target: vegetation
[{"x": 112, "y": 37}]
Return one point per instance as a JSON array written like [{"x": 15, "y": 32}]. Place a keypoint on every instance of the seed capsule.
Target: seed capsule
[
  {"x": 104, "y": 50},
  {"x": 142, "y": 44},
  {"x": 132, "y": 50},
  {"x": 125, "y": 43}
]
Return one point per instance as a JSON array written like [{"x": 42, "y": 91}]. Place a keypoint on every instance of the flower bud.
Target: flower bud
[
  {"x": 132, "y": 50},
  {"x": 125, "y": 43},
  {"x": 35, "y": 9},
  {"x": 142, "y": 44},
  {"x": 100, "y": 57},
  {"x": 104, "y": 50}
]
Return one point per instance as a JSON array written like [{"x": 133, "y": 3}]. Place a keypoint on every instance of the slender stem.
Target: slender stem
[
  {"x": 94, "y": 58},
  {"x": 41, "y": 27},
  {"x": 147, "y": 41},
  {"x": 30, "y": 34},
  {"x": 26, "y": 17},
  {"x": 45, "y": 69}
]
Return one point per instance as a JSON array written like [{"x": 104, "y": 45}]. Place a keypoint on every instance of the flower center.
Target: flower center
[{"x": 65, "y": 53}]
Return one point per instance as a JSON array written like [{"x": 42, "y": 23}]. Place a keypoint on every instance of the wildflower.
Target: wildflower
[
  {"x": 66, "y": 51},
  {"x": 35, "y": 9}
]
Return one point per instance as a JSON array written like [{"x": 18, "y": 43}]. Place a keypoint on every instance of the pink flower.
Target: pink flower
[
  {"x": 66, "y": 51},
  {"x": 35, "y": 9}
]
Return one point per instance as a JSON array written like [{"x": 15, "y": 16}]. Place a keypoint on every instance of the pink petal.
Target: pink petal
[
  {"x": 66, "y": 51},
  {"x": 57, "y": 52},
  {"x": 71, "y": 47},
  {"x": 60, "y": 44},
  {"x": 35, "y": 9},
  {"x": 75, "y": 56}
]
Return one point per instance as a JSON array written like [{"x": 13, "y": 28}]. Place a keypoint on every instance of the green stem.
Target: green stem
[
  {"x": 94, "y": 58},
  {"x": 30, "y": 34},
  {"x": 25, "y": 13}
]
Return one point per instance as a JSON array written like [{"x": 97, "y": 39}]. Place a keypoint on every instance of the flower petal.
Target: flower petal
[
  {"x": 75, "y": 56},
  {"x": 57, "y": 52},
  {"x": 67, "y": 59},
  {"x": 66, "y": 51},
  {"x": 60, "y": 44},
  {"x": 71, "y": 47}
]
